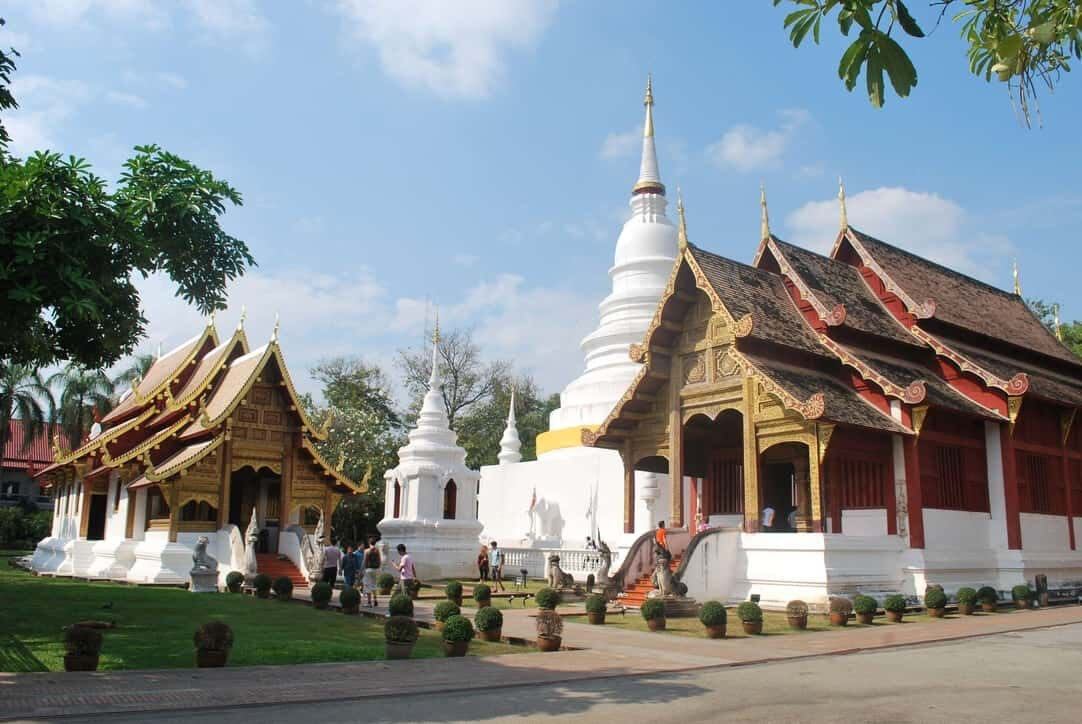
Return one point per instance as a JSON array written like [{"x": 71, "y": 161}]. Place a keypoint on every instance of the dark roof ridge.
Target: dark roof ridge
[{"x": 729, "y": 260}]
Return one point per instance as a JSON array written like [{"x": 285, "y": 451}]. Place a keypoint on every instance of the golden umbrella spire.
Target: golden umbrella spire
[
  {"x": 765, "y": 230},
  {"x": 1017, "y": 281}
]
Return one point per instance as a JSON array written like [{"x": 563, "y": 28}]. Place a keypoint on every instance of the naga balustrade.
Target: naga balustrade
[{"x": 579, "y": 562}]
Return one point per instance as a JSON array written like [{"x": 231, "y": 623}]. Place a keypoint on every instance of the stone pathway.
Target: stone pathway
[{"x": 600, "y": 652}]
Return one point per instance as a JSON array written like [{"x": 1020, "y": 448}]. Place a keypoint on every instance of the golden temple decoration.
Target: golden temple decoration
[
  {"x": 919, "y": 412},
  {"x": 341, "y": 462},
  {"x": 841, "y": 203},
  {"x": 151, "y": 443},
  {"x": 274, "y": 332},
  {"x": 1014, "y": 407},
  {"x": 743, "y": 326},
  {"x": 823, "y": 433},
  {"x": 1017, "y": 281},
  {"x": 243, "y": 316},
  {"x": 1066, "y": 420},
  {"x": 1056, "y": 322},
  {"x": 765, "y": 221},
  {"x": 325, "y": 428}
]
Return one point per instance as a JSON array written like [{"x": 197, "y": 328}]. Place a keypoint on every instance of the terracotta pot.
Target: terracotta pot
[
  {"x": 839, "y": 619},
  {"x": 485, "y": 603},
  {"x": 81, "y": 662},
  {"x": 895, "y": 616},
  {"x": 936, "y": 612},
  {"x": 966, "y": 609},
  {"x": 399, "y": 649},
  {"x": 715, "y": 632},
  {"x": 989, "y": 607},
  {"x": 494, "y": 635},
  {"x": 549, "y": 643},
  {"x": 752, "y": 628},
  {"x": 455, "y": 648},
  {"x": 352, "y": 610},
  {"x": 596, "y": 618},
  {"x": 866, "y": 618},
  {"x": 656, "y": 624},
  {"x": 798, "y": 622},
  {"x": 1021, "y": 605},
  {"x": 210, "y": 659}
]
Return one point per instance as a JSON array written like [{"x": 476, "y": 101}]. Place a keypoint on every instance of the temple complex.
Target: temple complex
[{"x": 213, "y": 434}]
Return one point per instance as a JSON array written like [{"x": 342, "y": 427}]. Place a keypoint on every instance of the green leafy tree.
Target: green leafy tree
[
  {"x": 1023, "y": 43},
  {"x": 23, "y": 395},
  {"x": 1071, "y": 332},
  {"x": 480, "y": 430},
  {"x": 81, "y": 393},
  {"x": 70, "y": 247},
  {"x": 136, "y": 370}
]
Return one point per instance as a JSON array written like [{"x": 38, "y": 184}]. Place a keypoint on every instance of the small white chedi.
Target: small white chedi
[
  {"x": 430, "y": 500},
  {"x": 572, "y": 491}
]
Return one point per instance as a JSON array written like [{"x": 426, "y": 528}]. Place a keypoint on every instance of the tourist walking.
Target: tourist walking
[
  {"x": 661, "y": 536},
  {"x": 406, "y": 571},
  {"x": 332, "y": 557},
  {"x": 495, "y": 566},
  {"x": 373, "y": 561},
  {"x": 482, "y": 564},
  {"x": 349, "y": 567}
]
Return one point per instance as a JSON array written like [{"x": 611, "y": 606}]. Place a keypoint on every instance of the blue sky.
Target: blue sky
[{"x": 479, "y": 154}]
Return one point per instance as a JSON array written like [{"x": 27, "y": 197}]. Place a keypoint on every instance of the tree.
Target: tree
[
  {"x": 480, "y": 430},
  {"x": 137, "y": 369},
  {"x": 1071, "y": 332},
  {"x": 82, "y": 393},
  {"x": 70, "y": 246},
  {"x": 23, "y": 395},
  {"x": 1023, "y": 43}
]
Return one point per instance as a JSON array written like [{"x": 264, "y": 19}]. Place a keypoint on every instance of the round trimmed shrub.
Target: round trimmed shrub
[
  {"x": 1021, "y": 592},
  {"x": 444, "y": 610},
  {"x": 400, "y": 605},
  {"x": 457, "y": 628},
  {"x": 283, "y": 588},
  {"x": 214, "y": 636},
  {"x": 864, "y": 604},
  {"x": 713, "y": 614},
  {"x": 895, "y": 603},
  {"x": 652, "y": 609},
  {"x": 987, "y": 594},
  {"x": 482, "y": 592},
  {"x": 453, "y": 590},
  {"x": 385, "y": 581},
  {"x": 841, "y": 604},
  {"x": 966, "y": 595},
  {"x": 547, "y": 598},
  {"x": 401, "y": 629},
  {"x": 488, "y": 619},
  {"x": 549, "y": 623},
  {"x": 349, "y": 597},
  {"x": 596, "y": 604},
  {"x": 262, "y": 584},
  {"x": 935, "y": 598},
  {"x": 321, "y": 593},
  {"x": 233, "y": 581},
  {"x": 82, "y": 640},
  {"x": 749, "y": 612},
  {"x": 796, "y": 609}
]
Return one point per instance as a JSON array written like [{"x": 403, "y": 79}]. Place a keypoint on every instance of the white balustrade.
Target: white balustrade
[{"x": 580, "y": 563}]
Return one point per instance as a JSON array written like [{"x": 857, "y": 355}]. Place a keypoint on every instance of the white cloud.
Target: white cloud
[
  {"x": 129, "y": 100},
  {"x": 747, "y": 148},
  {"x": 922, "y": 222},
  {"x": 451, "y": 49},
  {"x": 45, "y": 106},
  {"x": 232, "y": 20},
  {"x": 622, "y": 145}
]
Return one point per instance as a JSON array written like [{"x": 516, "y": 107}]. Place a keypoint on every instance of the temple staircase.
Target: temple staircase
[
  {"x": 276, "y": 567},
  {"x": 634, "y": 595}
]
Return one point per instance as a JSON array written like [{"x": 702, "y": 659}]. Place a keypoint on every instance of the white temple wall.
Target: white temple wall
[
  {"x": 139, "y": 523},
  {"x": 1044, "y": 532},
  {"x": 1077, "y": 523},
  {"x": 956, "y": 529},
  {"x": 864, "y": 522},
  {"x": 997, "y": 501}
]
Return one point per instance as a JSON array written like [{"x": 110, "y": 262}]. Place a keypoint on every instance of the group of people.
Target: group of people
[
  {"x": 367, "y": 560},
  {"x": 490, "y": 566}
]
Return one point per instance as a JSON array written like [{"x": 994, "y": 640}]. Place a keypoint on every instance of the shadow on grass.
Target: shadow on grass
[{"x": 15, "y": 657}]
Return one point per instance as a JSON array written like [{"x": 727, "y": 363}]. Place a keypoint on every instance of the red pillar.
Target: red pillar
[
  {"x": 892, "y": 501},
  {"x": 1010, "y": 488},
  {"x": 913, "y": 493},
  {"x": 1067, "y": 493}
]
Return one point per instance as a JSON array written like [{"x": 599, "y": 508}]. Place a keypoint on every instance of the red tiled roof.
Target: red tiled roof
[{"x": 36, "y": 456}]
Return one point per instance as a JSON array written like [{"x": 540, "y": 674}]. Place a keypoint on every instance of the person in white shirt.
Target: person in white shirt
[{"x": 768, "y": 518}]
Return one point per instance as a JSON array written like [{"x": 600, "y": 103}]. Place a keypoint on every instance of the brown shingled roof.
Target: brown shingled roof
[{"x": 1042, "y": 382}]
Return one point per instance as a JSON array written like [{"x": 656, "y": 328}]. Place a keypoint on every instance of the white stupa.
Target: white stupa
[
  {"x": 571, "y": 491},
  {"x": 510, "y": 445},
  {"x": 431, "y": 496}
]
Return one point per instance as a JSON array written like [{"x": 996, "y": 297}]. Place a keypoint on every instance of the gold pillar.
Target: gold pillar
[
  {"x": 84, "y": 509},
  {"x": 286, "y": 486},
  {"x": 676, "y": 445},
  {"x": 173, "y": 492},
  {"x": 815, "y": 485},
  {"x": 751, "y": 460},
  {"x": 629, "y": 489},
  {"x": 225, "y": 484}
]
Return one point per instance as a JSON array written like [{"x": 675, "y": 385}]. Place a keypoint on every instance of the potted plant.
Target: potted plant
[
  {"x": 413, "y": 588},
  {"x": 797, "y": 613},
  {"x": 457, "y": 632},
  {"x": 840, "y": 608},
  {"x": 401, "y": 634},
  {"x": 234, "y": 581},
  {"x": 385, "y": 581},
  {"x": 489, "y": 621},
  {"x": 483, "y": 595},
  {"x": 1022, "y": 595},
  {"x": 400, "y": 605},
  {"x": 550, "y": 628},
  {"x": 935, "y": 601},
  {"x": 453, "y": 591},
  {"x": 350, "y": 599},
  {"x": 443, "y": 611},
  {"x": 547, "y": 598},
  {"x": 895, "y": 607},
  {"x": 321, "y": 594},
  {"x": 713, "y": 617},
  {"x": 262, "y": 585},
  {"x": 989, "y": 599},
  {"x": 751, "y": 617},
  {"x": 283, "y": 588},
  {"x": 595, "y": 609},
  {"x": 865, "y": 608},
  {"x": 653, "y": 611},
  {"x": 967, "y": 599},
  {"x": 213, "y": 640},
  {"x": 82, "y": 648}
]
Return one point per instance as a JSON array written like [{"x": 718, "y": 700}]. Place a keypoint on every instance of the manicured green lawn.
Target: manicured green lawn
[
  {"x": 498, "y": 601},
  {"x": 155, "y": 627}
]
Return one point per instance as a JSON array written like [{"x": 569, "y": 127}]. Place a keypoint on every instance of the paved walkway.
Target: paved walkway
[{"x": 605, "y": 653}]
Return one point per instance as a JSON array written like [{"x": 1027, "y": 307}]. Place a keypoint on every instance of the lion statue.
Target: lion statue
[
  {"x": 557, "y": 578},
  {"x": 201, "y": 560},
  {"x": 664, "y": 581},
  {"x": 605, "y": 554}
]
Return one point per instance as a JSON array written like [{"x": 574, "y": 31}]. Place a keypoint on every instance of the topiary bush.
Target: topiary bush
[
  {"x": 400, "y": 605},
  {"x": 935, "y": 598},
  {"x": 1021, "y": 592},
  {"x": 385, "y": 581},
  {"x": 895, "y": 603},
  {"x": 796, "y": 609},
  {"x": 864, "y": 604},
  {"x": 82, "y": 641},
  {"x": 547, "y": 598},
  {"x": 713, "y": 614},
  {"x": 457, "y": 628},
  {"x": 321, "y": 593},
  {"x": 482, "y": 592},
  {"x": 987, "y": 594},
  {"x": 350, "y": 598},
  {"x": 283, "y": 588},
  {"x": 652, "y": 609},
  {"x": 233, "y": 581},
  {"x": 444, "y": 610},
  {"x": 841, "y": 604},
  {"x": 749, "y": 612},
  {"x": 214, "y": 636},
  {"x": 966, "y": 595},
  {"x": 596, "y": 604},
  {"x": 488, "y": 619},
  {"x": 401, "y": 629},
  {"x": 262, "y": 584},
  {"x": 453, "y": 590}
]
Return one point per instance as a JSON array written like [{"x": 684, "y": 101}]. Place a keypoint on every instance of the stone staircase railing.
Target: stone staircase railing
[{"x": 579, "y": 562}]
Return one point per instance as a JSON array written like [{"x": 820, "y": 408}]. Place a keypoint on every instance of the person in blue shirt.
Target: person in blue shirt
[{"x": 495, "y": 567}]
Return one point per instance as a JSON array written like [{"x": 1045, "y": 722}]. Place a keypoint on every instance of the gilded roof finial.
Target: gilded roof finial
[
  {"x": 682, "y": 234},
  {"x": 243, "y": 316},
  {"x": 648, "y": 101},
  {"x": 841, "y": 202},
  {"x": 159, "y": 349},
  {"x": 1017, "y": 281},
  {"x": 436, "y": 328},
  {"x": 1056, "y": 322},
  {"x": 274, "y": 333},
  {"x": 765, "y": 229},
  {"x": 210, "y": 320}
]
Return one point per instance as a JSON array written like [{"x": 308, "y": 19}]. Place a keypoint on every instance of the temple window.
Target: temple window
[
  {"x": 157, "y": 508},
  {"x": 450, "y": 500},
  {"x": 397, "y": 499},
  {"x": 953, "y": 464},
  {"x": 198, "y": 511}
]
